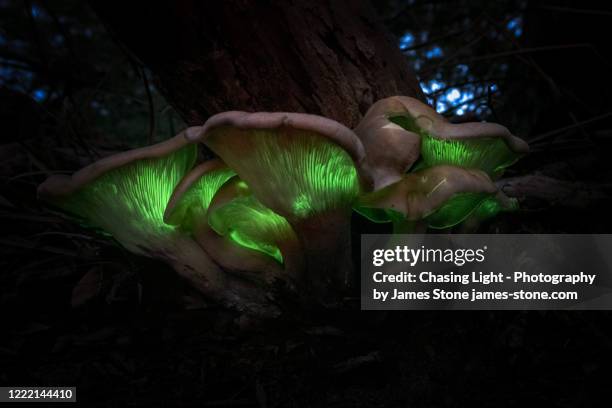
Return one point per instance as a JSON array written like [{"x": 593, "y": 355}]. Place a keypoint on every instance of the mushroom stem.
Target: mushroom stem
[
  {"x": 294, "y": 262},
  {"x": 326, "y": 244},
  {"x": 253, "y": 265},
  {"x": 194, "y": 265}
]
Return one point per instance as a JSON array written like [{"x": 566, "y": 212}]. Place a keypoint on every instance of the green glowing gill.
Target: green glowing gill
[
  {"x": 455, "y": 210},
  {"x": 491, "y": 155},
  {"x": 295, "y": 173},
  {"x": 491, "y": 206},
  {"x": 244, "y": 241},
  {"x": 193, "y": 204},
  {"x": 449, "y": 214},
  {"x": 376, "y": 215},
  {"x": 250, "y": 224},
  {"x": 302, "y": 206},
  {"x": 129, "y": 202}
]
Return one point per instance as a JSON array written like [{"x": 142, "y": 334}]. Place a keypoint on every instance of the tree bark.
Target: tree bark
[{"x": 326, "y": 57}]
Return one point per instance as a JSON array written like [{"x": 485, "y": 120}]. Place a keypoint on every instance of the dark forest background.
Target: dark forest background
[{"x": 76, "y": 309}]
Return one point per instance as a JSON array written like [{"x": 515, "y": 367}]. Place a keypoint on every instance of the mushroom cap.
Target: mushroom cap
[
  {"x": 59, "y": 186},
  {"x": 390, "y": 149},
  {"x": 250, "y": 224},
  {"x": 486, "y": 146},
  {"x": 296, "y": 164},
  {"x": 251, "y": 237},
  {"x": 126, "y": 194},
  {"x": 189, "y": 202},
  {"x": 237, "y": 260},
  {"x": 427, "y": 119},
  {"x": 443, "y": 196}
]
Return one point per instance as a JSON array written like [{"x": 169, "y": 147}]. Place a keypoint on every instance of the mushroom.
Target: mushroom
[
  {"x": 245, "y": 236},
  {"x": 486, "y": 146},
  {"x": 477, "y": 152},
  {"x": 188, "y": 205},
  {"x": 390, "y": 149},
  {"x": 239, "y": 217},
  {"x": 303, "y": 167},
  {"x": 126, "y": 195},
  {"x": 438, "y": 197}
]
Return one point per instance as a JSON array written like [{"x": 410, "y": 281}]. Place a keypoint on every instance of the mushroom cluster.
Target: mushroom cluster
[{"x": 275, "y": 207}]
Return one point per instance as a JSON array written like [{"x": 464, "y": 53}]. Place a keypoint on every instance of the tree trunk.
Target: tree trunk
[{"x": 326, "y": 57}]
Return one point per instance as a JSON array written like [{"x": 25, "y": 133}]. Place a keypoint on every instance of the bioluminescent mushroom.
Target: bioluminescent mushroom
[
  {"x": 126, "y": 195},
  {"x": 390, "y": 149},
  {"x": 252, "y": 227},
  {"x": 444, "y": 148},
  {"x": 189, "y": 202},
  {"x": 438, "y": 197},
  {"x": 486, "y": 146},
  {"x": 189, "y": 206},
  {"x": 277, "y": 203},
  {"x": 243, "y": 234},
  {"x": 303, "y": 167}
]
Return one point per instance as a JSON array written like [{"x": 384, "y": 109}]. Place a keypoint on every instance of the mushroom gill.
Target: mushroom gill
[
  {"x": 439, "y": 197},
  {"x": 455, "y": 155},
  {"x": 235, "y": 229},
  {"x": 303, "y": 167},
  {"x": 191, "y": 198},
  {"x": 242, "y": 219},
  {"x": 126, "y": 196},
  {"x": 486, "y": 146}
]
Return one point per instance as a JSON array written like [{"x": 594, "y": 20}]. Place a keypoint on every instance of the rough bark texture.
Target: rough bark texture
[{"x": 326, "y": 57}]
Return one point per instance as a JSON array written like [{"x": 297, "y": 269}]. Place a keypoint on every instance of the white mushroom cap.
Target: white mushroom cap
[
  {"x": 390, "y": 149},
  {"x": 437, "y": 126},
  {"x": 420, "y": 194},
  {"x": 296, "y": 164}
]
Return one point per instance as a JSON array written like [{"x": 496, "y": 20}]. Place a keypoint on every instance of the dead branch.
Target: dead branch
[{"x": 554, "y": 191}]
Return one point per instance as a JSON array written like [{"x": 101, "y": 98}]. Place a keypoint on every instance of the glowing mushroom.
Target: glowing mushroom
[
  {"x": 303, "y": 167},
  {"x": 248, "y": 224},
  {"x": 188, "y": 205},
  {"x": 245, "y": 237},
  {"x": 467, "y": 149},
  {"x": 126, "y": 195},
  {"x": 486, "y": 146},
  {"x": 390, "y": 149},
  {"x": 438, "y": 197}
]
